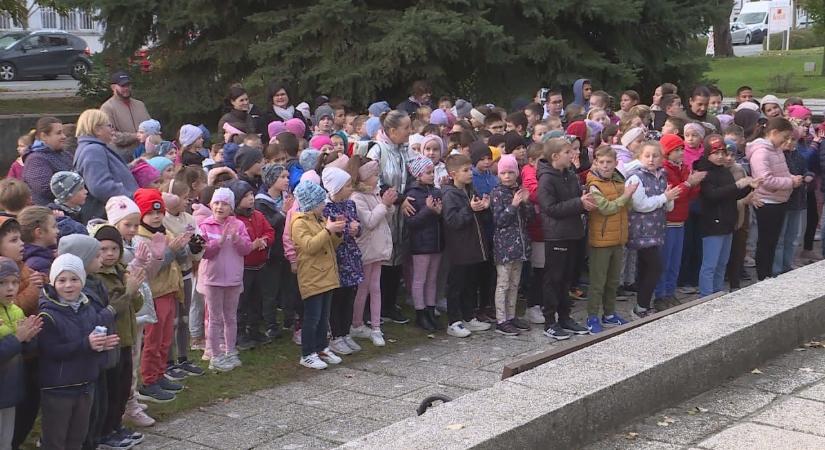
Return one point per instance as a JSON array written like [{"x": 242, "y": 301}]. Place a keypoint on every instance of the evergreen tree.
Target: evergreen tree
[{"x": 483, "y": 50}]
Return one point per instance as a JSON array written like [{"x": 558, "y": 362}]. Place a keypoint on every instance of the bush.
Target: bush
[
  {"x": 94, "y": 86},
  {"x": 800, "y": 38},
  {"x": 781, "y": 83}
]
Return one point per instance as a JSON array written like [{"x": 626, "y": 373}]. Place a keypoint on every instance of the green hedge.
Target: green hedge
[{"x": 800, "y": 38}]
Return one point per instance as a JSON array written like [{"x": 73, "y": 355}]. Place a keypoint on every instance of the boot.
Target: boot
[
  {"x": 422, "y": 321},
  {"x": 432, "y": 318}
]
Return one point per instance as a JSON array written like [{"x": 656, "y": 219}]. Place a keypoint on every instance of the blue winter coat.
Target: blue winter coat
[
  {"x": 103, "y": 170},
  {"x": 38, "y": 258},
  {"x": 40, "y": 163}
]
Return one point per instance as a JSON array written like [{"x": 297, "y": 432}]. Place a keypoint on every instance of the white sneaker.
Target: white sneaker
[
  {"x": 457, "y": 330},
  {"x": 329, "y": 357},
  {"x": 352, "y": 344},
  {"x": 362, "y": 332},
  {"x": 339, "y": 345},
  {"x": 533, "y": 314},
  {"x": 313, "y": 362},
  {"x": 475, "y": 325},
  {"x": 377, "y": 338},
  {"x": 220, "y": 363}
]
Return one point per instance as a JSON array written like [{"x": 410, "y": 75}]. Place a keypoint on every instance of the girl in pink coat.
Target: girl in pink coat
[{"x": 220, "y": 277}]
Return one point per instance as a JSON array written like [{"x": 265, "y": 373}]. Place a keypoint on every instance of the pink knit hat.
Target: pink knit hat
[
  {"x": 798, "y": 112},
  {"x": 275, "y": 127},
  {"x": 319, "y": 141},
  {"x": 296, "y": 127},
  {"x": 369, "y": 169},
  {"x": 144, "y": 173},
  {"x": 311, "y": 176},
  {"x": 508, "y": 163},
  {"x": 340, "y": 162},
  {"x": 432, "y": 137}
]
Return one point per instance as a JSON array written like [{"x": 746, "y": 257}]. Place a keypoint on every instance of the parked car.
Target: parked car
[
  {"x": 745, "y": 34},
  {"x": 43, "y": 53}
]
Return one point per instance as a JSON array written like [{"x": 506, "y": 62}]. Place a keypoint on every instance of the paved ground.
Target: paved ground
[
  {"x": 780, "y": 405},
  {"x": 747, "y": 50},
  {"x": 63, "y": 86}
]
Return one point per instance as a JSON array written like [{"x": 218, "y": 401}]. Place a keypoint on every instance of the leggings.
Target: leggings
[
  {"x": 340, "y": 315},
  {"x": 812, "y": 220},
  {"x": 650, "y": 268},
  {"x": 119, "y": 383},
  {"x": 390, "y": 281},
  {"x": 425, "y": 273},
  {"x": 770, "y": 218},
  {"x": 737, "y": 255},
  {"x": 222, "y": 303},
  {"x": 196, "y": 312},
  {"x": 370, "y": 286},
  {"x": 182, "y": 324}
]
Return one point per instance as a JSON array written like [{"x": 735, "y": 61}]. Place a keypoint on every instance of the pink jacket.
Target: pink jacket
[
  {"x": 289, "y": 245},
  {"x": 769, "y": 163},
  {"x": 692, "y": 155},
  {"x": 222, "y": 264}
]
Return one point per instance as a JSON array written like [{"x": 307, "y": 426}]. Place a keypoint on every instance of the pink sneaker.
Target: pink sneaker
[
  {"x": 198, "y": 344},
  {"x": 138, "y": 418}
]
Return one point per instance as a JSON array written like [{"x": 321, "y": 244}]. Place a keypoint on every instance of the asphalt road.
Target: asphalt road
[
  {"x": 63, "y": 86},
  {"x": 747, "y": 50}
]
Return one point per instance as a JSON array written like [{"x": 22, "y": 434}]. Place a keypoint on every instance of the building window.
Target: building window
[
  {"x": 48, "y": 18},
  {"x": 6, "y": 23},
  {"x": 68, "y": 22}
]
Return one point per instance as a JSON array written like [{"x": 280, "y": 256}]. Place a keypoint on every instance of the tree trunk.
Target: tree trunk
[{"x": 722, "y": 43}]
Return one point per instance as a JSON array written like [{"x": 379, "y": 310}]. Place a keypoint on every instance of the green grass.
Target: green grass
[
  {"x": 755, "y": 71},
  {"x": 42, "y": 105}
]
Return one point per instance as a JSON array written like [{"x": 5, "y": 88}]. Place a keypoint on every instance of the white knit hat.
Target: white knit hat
[
  {"x": 67, "y": 263},
  {"x": 334, "y": 179},
  {"x": 631, "y": 135},
  {"x": 120, "y": 206}
]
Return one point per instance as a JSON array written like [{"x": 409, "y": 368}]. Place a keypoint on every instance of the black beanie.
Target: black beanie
[
  {"x": 478, "y": 150},
  {"x": 109, "y": 233},
  {"x": 246, "y": 158}
]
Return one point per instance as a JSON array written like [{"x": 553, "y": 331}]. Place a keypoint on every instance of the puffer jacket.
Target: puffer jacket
[
  {"x": 222, "y": 263},
  {"x": 257, "y": 227},
  {"x": 277, "y": 220},
  {"x": 464, "y": 235},
  {"x": 426, "y": 229},
  {"x": 560, "y": 202},
  {"x": 797, "y": 165},
  {"x": 718, "y": 196},
  {"x": 40, "y": 162},
  {"x": 165, "y": 277},
  {"x": 650, "y": 206},
  {"x": 510, "y": 240},
  {"x": 769, "y": 163},
  {"x": 608, "y": 224},
  {"x": 315, "y": 247},
  {"x": 11, "y": 351},
  {"x": 105, "y": 174},
  {"x": 677, "y": 175},
  {"x": 38, "y": 258},
  {"x": 375, "y": 240}
]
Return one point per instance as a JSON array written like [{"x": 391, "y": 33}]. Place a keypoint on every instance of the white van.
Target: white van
[{"x": 751, "y": 25}]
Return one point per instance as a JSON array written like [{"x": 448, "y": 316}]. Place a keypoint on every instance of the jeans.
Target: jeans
[
  {"x": 769, "y": 219},
  {"x": 6, "y": 426},
  {"x": 671, "y": 261},
  {"x": 315, "y": 325},
  {"x": 196, "y": 311},
  {"x": 715, "y": 256},
  {"x": 181, "y": 336},
  {"x": 788, "y": 241}
]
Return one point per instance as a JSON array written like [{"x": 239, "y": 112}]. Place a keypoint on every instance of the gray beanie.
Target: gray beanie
[
  {"x": 84, "y": 247},
  {"x": 64, "y": 184},
  {"x": 323, "y": 110}
]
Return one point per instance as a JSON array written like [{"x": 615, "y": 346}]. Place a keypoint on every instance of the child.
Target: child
[
  {"x": 674, "y": 125},
  {"x": 539, "y": 130},
  {"x": 719, "y": 193},
  {"x": 651, "y": 200},
  {"x": 70, "y": 354},
  {"x": 678, "y": 174},
  {"x": 511, "y": 212},
  {"x": 607, "y": 236},
  {"x": 795, "y": 216},
  {"x": 338, "y": 184},
  {"x": 215, "y": 158},
  {"x": 694, "y": 138},
  {"x": 69, "y": 193},
  {"x": 315, "y": 242},
  {"x": 165, "y": 166},
  {"x": 220, "y": 277},
  {"x": 14, "y": 196},
  {"x": 562, "y": 204},
  {"x": 533, "y": 313},
  {"x": 38, "y": 229},
  {"x": 426, "y": 241},
  {"x": 261, "y": 235},
  {"x": 375, "y": 243},
  {"x": 23, "y": 143},
  {"x": 483, "y": 183},
  {"x": 248, "y": 163},
  {"x": 631, "y": 141},
  {"x": 466, "y": 245},
  {"x": 125, "y": 297},
  {"x": 273, "y": 204},
  {"x": 165, "y": 281},
  {"x": 190, "y": 138},
  {"x": 177, "y": 221},
  {"x": 768, "y": 163},
  {"x": 16, "y": 334},
  {"x": 147, "y": 130},
  {"x": 432, "y": 147}
]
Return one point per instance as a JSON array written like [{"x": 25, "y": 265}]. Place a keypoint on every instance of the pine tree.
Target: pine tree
[{"x": 362, "y": 50}]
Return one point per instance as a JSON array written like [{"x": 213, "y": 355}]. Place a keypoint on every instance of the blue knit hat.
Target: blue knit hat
[
  {"x": 150, "y": 127},
  {"x": 160, "y": 163},
  {"x": 373, "y": 125},
  {"x": 378, "y": 108},
  {"x": 309, "y": 195},
  {"x": 309, "y": 158}
]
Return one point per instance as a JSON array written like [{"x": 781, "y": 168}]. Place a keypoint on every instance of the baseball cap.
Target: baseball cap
[{"x": 121, "y": 78}]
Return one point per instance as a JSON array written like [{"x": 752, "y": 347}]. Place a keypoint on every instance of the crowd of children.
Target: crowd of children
[{"x": 313, "y": 224}]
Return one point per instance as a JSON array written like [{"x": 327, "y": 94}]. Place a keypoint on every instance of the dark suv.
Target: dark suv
[{"x": 45, "y": 53}]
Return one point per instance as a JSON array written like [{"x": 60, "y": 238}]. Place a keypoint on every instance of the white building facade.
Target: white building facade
[{"x": 77, "y": 22}]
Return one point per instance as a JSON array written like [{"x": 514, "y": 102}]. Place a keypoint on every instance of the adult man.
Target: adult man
[
  {"x": 698, "y": 107},
  {"x": 125, "y": 114},
  {"x": 554, "y": 107},
  {"x": 422, "y": 93}
]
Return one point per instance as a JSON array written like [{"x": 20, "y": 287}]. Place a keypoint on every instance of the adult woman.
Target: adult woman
[
  {"x": 105, "y": 173},
  {"x": 238, "y": 110},
  {"x": 45, "y": 158},
  {"x": 280, "y": 110},
  {"x": 392, "y": 153}
]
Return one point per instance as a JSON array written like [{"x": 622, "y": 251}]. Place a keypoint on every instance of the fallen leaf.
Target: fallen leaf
[
  {"x": 815, "y": 344},
  {"x": 391, "y": 340},
  {"x": 663, "y": 424},
  {"x": 701, "y": 410},
  {"x": 430, "y": 336},
  {"x": 455, "y": 426},
  {"x": 756, "y": 371},
  {"x": 669, "y": 420},
  {"x": 631, "y": 436},
  {"x": 806, "y": 369}
]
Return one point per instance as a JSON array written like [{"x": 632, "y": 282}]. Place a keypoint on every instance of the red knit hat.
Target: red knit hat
[
  {"x": 149, "y": 200},
  {"x": 670, "y": 142},
  {"x": 578, "y": 129}
]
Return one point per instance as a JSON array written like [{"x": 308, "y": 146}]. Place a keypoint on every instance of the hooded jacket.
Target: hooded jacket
[
  {"x": 769, "y": 163},
  {"x": 222, "y": 263},
  {"x": 464, "y": 235},
  {"x": 315, "y": 248},
  {"x": 718, "y": 195},
  {"x": 560, "y": 203},
  {"x": 426, "y": 229},
  {"x": 40, "y": 162},
  {"x": 67, "y": 362},
  {"x": 797, "y": 165},
  {"x": 38, "y": 258},
  {"x": 375, "y": 241},
  {"x": 530, "y": 182},
  {"x": 126, "y": 306},
  {"x": 277, "y": 220},
  {"x": 578, "y": 94},
  {"x": 677, "y": 175}
]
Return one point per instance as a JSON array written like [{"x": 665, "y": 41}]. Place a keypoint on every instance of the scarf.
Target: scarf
[
  {"x": 284, "y": 113},
  {"x": 153, "y": 230}
]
